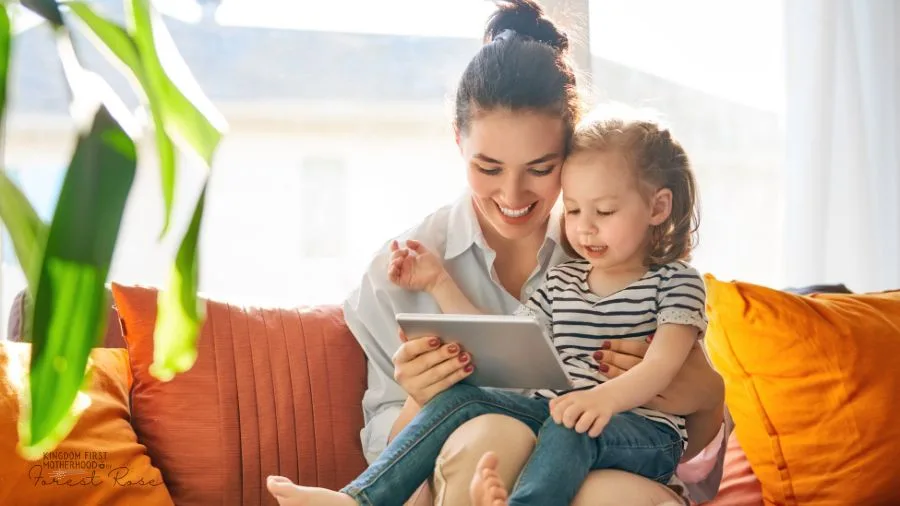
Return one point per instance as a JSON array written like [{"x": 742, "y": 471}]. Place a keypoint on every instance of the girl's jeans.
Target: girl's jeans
[{"x": 557, "y": 467}]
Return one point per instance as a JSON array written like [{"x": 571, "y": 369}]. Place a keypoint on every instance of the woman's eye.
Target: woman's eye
[
  {"x": 489, "y": 172},
  {"x": 605, "y": 213},
  {"x": 542, "y": 172},
  {"x": 572, "y": 211}
]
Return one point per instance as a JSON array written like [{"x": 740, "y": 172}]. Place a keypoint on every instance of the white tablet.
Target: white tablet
[{"x": 507, "y": 351}]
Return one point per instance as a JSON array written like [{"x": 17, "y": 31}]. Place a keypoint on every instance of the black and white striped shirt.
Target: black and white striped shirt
[{"x": 580, "y": 320}]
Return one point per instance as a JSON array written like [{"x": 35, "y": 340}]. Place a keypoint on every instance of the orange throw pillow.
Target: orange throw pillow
[
  {"x": 99, "y": 462},
  {"x": 273, "y": 391},
  {"x": 812, "y": 385}
]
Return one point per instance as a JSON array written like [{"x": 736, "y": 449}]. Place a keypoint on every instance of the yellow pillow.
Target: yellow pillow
[
  {"x": 813, "y": 385},
  {"x": 99, "y": 462}
]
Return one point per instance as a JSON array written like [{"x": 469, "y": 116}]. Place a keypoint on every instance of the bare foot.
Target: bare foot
[
  {"x": 487, "y": 488},
  {"x": 289, "y": 494}
]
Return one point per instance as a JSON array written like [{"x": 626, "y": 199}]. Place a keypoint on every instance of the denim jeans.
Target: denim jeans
[{"x": 554, "y": 472}]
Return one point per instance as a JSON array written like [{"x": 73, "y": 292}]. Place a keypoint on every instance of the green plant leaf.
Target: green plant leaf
[
  {"x": 47, "y": 9},
  {"x": 26, "y": 230},
  {"x": 71, "y": 301},
  {"x": 114, "y": 38},
  {"x": 196, "y": 122},
  {"x": 180, "y": 313}
]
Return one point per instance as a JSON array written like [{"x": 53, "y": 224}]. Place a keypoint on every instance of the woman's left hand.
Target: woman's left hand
[{"x": 696, "y": 387}]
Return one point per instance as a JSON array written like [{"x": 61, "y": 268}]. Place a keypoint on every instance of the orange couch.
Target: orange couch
[{"x": 288, "y": 404}]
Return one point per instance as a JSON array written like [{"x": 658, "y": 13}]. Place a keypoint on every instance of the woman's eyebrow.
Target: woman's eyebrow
[{"x": 543, "y": 159}]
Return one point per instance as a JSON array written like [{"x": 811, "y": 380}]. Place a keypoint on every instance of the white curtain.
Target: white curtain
[{"x": 842, "y": 178}]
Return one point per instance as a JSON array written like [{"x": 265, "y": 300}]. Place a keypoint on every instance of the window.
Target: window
[
  {"x": 323, "y": 204},
  {"x": 339, "y": 130},
  {"x": 708, "y": 68}
]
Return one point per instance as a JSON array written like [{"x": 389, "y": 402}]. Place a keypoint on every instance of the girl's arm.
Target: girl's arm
[
  {"x": 643, "y": 382},
  {"x": 450, "y": 298}
]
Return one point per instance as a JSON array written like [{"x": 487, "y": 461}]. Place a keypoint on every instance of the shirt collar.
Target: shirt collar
[{"x": 463, "y": 229}]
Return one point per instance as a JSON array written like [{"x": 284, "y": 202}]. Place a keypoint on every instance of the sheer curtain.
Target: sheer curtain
[{"x": 842, "y": 178}]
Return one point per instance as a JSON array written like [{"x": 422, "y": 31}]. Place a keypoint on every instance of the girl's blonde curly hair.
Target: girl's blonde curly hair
[{"x": 660, "y": 162}]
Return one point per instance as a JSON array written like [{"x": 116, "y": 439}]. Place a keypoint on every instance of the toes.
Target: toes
[{"x": 279, "y": 486}]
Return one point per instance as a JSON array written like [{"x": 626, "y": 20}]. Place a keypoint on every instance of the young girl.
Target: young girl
[{"x": 630, "y": 215}]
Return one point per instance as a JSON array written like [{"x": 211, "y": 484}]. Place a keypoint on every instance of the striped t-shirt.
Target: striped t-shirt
[{"x": 579, "y": 320}]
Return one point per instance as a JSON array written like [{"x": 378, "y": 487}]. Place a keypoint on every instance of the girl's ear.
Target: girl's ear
[{"x": 661, "y": 207}]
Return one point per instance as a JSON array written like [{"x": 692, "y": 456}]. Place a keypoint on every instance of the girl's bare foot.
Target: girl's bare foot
[
  {"x": 487, "y": 488},
  {"x": 289, "y": 494}
]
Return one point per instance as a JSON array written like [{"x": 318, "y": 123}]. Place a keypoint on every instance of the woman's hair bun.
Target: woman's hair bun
[{"x": 526, "y": 19}]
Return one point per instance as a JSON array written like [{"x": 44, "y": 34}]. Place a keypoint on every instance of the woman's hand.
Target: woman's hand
[
  {"x": 424, "y": 367},
  {"x": 414, "y": 267},
  {"x": 696, "y": 387}
]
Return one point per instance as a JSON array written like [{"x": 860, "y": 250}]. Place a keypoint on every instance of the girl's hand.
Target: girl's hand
[
  {"x": 424, "y": 367},
  {"x": 696, "y": 387},
  {"x": 414, "y": 267},
  {"x": 583, "y": 411}
]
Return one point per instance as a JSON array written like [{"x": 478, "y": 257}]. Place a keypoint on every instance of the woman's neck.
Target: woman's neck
[
  {"x": 514, "y": 250},
  {"x": 515, "y": 259}
]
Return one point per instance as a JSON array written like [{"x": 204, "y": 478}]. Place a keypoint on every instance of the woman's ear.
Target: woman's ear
[
  {"x": 457, "y": 135},
  {"x": 661, "y": 207}
]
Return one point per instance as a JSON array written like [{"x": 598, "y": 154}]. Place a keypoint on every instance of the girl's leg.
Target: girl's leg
[
  {"x": 563, "y": 457},
  {"x": 411, "y": 456}
]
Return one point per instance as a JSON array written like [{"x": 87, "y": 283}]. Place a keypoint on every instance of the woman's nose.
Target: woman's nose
[{"x": 513, "y": 188}]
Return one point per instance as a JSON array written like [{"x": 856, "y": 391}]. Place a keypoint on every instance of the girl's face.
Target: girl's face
[
  {"x": 608, "y": 216},
  {"x": 514, "y": 161}
]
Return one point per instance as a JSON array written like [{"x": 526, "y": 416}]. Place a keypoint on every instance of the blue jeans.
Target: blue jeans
[{"x": 557, "y": 467}]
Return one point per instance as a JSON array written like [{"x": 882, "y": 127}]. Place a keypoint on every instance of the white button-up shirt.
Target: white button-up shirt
[{"x": 452, "y": 232}]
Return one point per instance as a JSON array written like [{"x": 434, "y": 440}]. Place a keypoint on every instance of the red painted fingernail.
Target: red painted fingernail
[
  {"x": 452, "y": 348},
  {"x": 650, "y": 338},
  {"x": 463, "y": 358},
  {"x": 434, "y": 342},
  {"x": 605, "y": 345},
  {"x": 598, "y": 355},
  {"x": 469, "y": 368},
  {"x": 603, "y": 367}
]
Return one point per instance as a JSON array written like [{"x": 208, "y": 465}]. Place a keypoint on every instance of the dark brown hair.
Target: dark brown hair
[
  {"x": 522, "y": 66},
  {"x": 660, "y": 162}
]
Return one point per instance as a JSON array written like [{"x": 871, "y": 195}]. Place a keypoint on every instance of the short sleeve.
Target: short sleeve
[
  {"x": 539, "y": 306},
  {"x": 682, "y": 299}
]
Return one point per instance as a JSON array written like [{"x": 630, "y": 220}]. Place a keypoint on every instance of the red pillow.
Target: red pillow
[{"x": 273, "y": 391}]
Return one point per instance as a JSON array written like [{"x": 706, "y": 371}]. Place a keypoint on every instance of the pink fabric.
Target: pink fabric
[{"x": 699, "y": 467}]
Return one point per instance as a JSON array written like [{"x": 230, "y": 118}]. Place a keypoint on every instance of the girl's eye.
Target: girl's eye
[
  {"x": 572, "y": 211},
  {"x": 605, "y": 213},
  {"x": 489, "y": 172}
]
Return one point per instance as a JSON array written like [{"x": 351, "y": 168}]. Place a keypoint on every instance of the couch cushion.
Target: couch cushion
[
  {"x": 111, "y": 339},
  {"x": 812, "y": 386},
  {"x": 273, "y": 391},
  {"x": 71, "y": 473}
]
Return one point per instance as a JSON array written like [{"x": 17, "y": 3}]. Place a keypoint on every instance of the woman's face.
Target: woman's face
[{"x": 514, "y": 161}]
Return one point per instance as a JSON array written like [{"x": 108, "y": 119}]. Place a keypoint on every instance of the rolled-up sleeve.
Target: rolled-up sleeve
[{"x": 370, "y": 314}]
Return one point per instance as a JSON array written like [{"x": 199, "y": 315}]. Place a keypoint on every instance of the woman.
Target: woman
[{"x": 516, "y": 108}]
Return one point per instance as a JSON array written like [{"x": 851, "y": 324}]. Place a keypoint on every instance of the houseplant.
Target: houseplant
[{"x": 66, "y": 261}]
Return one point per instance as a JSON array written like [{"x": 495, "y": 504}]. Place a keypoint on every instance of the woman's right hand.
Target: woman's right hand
[{"x": 424, "y": 367}]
